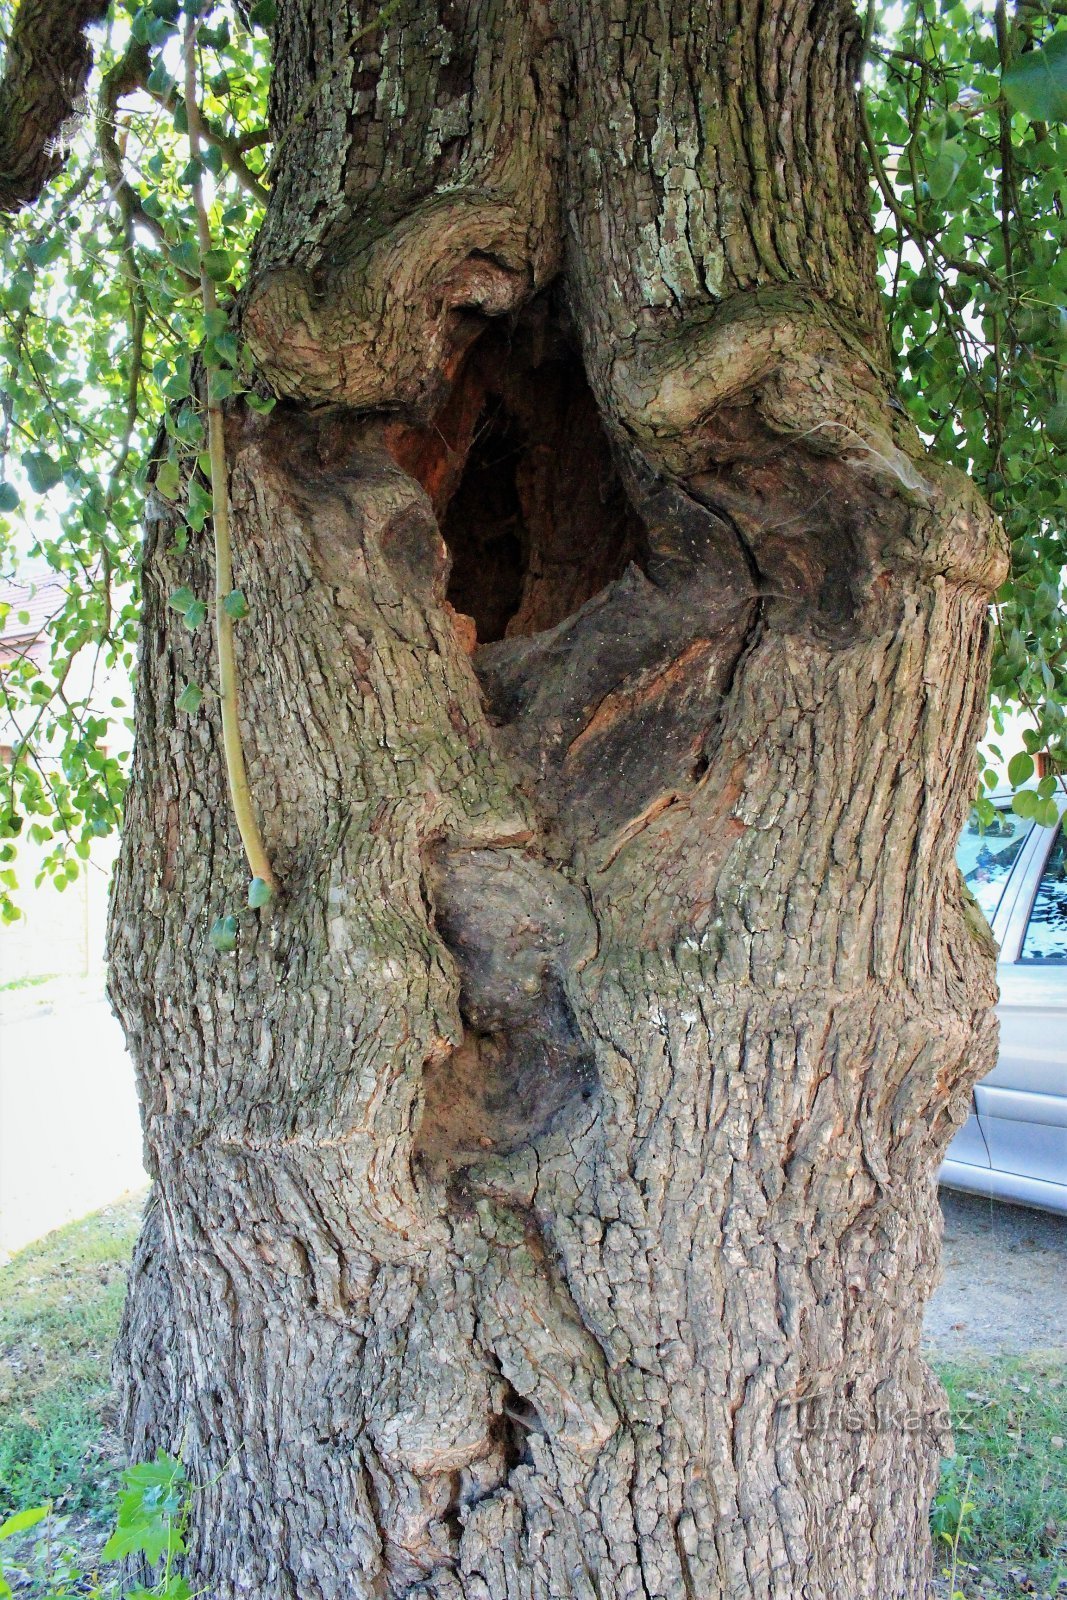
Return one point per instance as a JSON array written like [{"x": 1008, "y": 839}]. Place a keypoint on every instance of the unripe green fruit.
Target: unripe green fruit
[{"x": 924, "y": 292}]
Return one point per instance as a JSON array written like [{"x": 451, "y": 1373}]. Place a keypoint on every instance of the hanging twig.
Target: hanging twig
[{"x": 233, "y": 750}]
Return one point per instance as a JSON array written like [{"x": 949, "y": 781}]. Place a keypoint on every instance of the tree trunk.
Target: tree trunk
[{"x": 544, "y": 1190}]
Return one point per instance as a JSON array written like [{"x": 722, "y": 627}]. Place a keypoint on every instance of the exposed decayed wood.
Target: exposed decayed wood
[{"x": 545, "y": 1194}]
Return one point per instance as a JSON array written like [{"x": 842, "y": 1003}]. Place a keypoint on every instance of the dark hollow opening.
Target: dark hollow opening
[
  {"x": 537, "y": 521},
  {"x": 518, "y": 1420},
  {"x": 485, "y": 530}
]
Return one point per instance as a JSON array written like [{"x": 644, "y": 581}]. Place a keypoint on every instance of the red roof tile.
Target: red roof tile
[{"x": 41, "y": 598}]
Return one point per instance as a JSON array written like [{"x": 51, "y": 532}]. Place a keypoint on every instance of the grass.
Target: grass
[
  {"x": 1009, "y": 1418},
  {"x": 60, "y": 1303}
]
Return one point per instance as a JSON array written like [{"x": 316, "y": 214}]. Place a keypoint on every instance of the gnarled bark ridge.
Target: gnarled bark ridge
[{"x": 544, "y": 1196}]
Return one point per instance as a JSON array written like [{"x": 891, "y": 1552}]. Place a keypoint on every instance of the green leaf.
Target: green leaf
[
  {"x": 1025, "y": 803},
  {"x": 185, "y": 256},
  {"x": 168, "y": 479},
  {"x": 178, "y": 384},
  {"x": 218, "y": 264},
  {"x": 235, "y": 605},
  {"x": 195, "y": 615},
  {"x": 182, "y": 599},
  {"x": 159, "y": 30},
  {"x": 263, "y": 14},
  {"x": 263, "y": 403},
  {"x": 23, "y": 1520},
  {"x": 1020, "y": 769},
  {"x": 47, "y": 250},
  {"x": 1036, "y": 84},
  {"x": 10, "y": 823},
  {"x": 219, "y": 384},
  {"x": 191, "y": 698},
  {"x": 162, "y": 1472},
  {"x": 944, "y": 169},
  {"x": 42, "y": 471},
  {"x": 9, "y": 497},
  {"x": 223, "y": 934},
  {"x": 224, "y": 349},
  {"x": 259, "y": 893},
  {"x": 186, "y": 425},
  {"x": 199, "y": 508},
  {"x": 143, "y": 1531},
  {"x": 20, "y": 291}
]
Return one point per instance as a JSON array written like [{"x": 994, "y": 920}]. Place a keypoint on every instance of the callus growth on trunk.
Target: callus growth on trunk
[{"x": 544, "y": 1197}]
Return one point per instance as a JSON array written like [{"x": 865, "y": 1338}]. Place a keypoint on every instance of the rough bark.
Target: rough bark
[
  {"x": 544, "y": 1196},
  {"x": 46, "y": 67}
]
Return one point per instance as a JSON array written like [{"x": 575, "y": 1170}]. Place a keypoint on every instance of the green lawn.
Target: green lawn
[
  {"x": 60, "y": 1303},
  {"x": 1009, "y": 1418}
]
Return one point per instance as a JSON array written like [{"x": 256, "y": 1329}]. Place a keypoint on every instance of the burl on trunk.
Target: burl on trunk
[{"x": 544, "y": 1190}]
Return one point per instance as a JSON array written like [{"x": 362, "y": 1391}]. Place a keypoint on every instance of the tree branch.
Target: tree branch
[
  {"x": 131, "y": 72},
  {"x": 231, "y": 147},
  {"x": 233, "y": 750},
  {"x": 127, "y": 74},
  {"x": 45, "y": 73}
]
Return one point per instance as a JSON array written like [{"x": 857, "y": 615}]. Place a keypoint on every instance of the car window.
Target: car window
[
  {"x": 987, "y": 854},
  {"x": 1046, "y": 931}
]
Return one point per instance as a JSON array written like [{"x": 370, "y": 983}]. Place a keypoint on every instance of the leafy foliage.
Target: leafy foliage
[
  {"x": 100, "y": 319},
  {"x": 152, "y": 1512},
  {"x": 99, "y": 313},
  {"x": 965, "y": 109},
  {"x": 150, "y": 1522}
]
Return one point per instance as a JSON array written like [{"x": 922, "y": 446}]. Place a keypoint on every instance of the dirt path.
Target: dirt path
[{"x": 1004, "y": 1289}]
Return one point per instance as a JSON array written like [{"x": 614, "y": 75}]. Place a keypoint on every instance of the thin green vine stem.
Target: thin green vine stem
[{"x": 233, "y": 750}]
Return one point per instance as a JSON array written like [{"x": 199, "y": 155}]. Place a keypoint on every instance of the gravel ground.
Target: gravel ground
[{"x": 1004, "y": 1284}]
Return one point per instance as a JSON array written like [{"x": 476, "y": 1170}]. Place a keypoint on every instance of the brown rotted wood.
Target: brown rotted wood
[{"x": 545, "y": 1188}]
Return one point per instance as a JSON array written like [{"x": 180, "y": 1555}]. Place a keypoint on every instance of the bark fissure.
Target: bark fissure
[{"x": 551, "y": 1172}]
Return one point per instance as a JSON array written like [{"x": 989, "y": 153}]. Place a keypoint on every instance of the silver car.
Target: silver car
[{"x": 1013, "y": 1145}]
